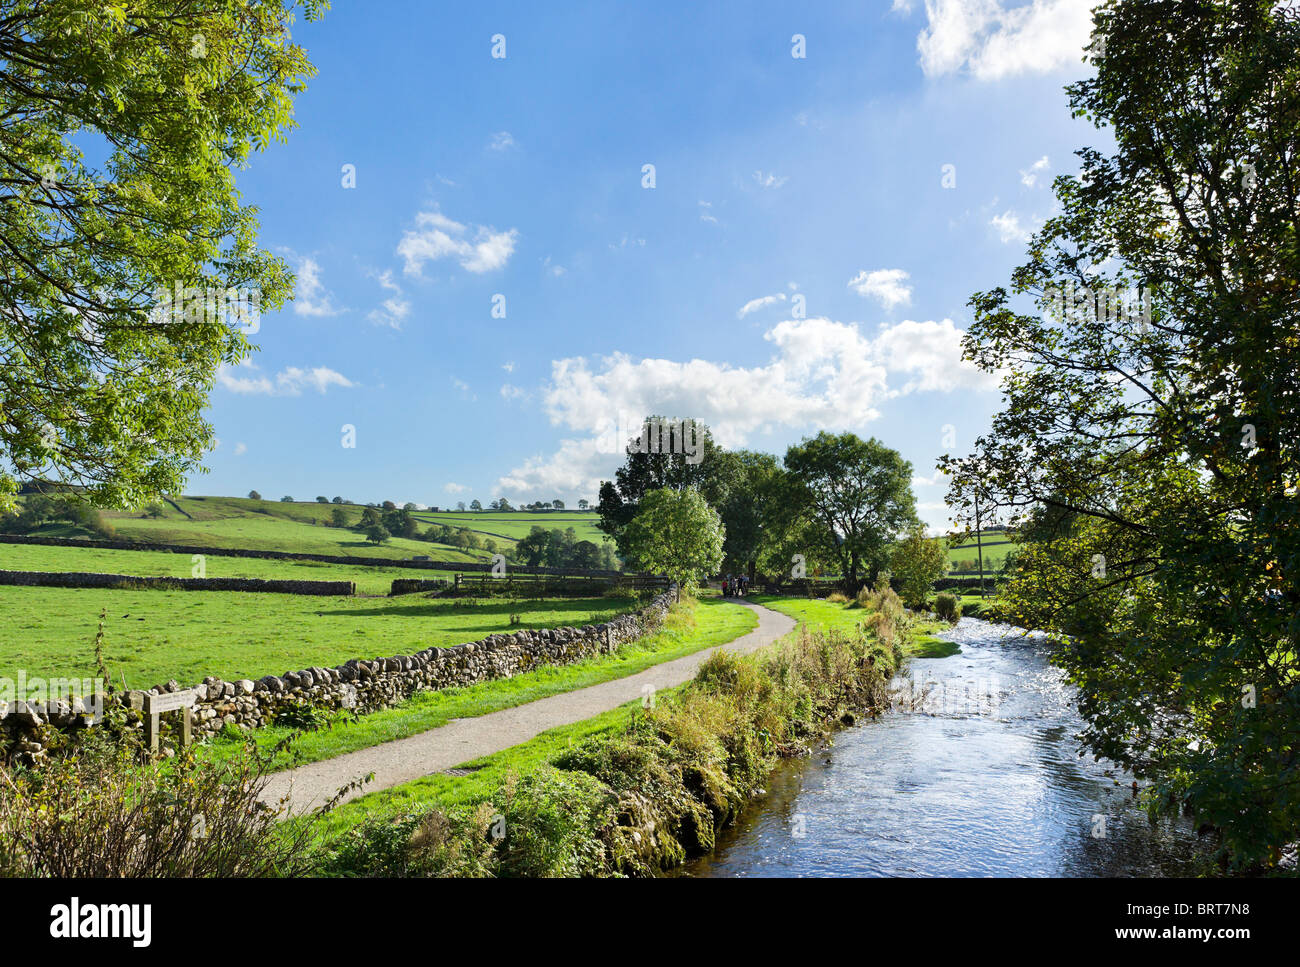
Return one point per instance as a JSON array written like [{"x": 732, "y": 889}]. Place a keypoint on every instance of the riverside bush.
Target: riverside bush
[{"x": 947, "y": 607}]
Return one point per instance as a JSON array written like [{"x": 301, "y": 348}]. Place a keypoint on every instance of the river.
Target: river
[{"x": 977, "y": 774}]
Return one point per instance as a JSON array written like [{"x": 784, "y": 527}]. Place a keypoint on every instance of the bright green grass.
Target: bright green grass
[
  {"x": 713, "y": 623},
  {"x": 152, "y": 636},
  {"x": 518, "y": 525},
  {"x": 270, "y": 525},
  {"x": 822, "y": 615},
  {"x": 369, "y": 580},
  {"x": 996, "y": 549}
]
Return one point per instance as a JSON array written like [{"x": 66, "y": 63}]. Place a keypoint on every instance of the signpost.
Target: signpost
[{"x": 155, "y": 705}]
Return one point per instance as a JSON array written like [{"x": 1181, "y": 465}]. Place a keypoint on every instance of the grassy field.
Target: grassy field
[
  {"x": 36, "y": 557},
  {"x": 152, "y": 636},
  {"x": 996, "y": 548},
  {"x": 266, "y": 525},
  {"x": 515, "y": 526},
  {"x": 690, "y": 628},
  {"x": 822, "y": 615}
]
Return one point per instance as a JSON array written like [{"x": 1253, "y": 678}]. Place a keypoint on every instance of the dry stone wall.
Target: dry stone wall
[
  {"x": 89, "y": 579},
  {"x": 359, "y": 685}
]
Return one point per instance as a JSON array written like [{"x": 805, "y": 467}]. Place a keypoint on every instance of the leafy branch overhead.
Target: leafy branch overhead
[{"x": 123, "y": 128}]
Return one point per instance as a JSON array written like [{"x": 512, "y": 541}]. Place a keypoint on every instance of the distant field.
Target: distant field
[
  {"x": 517, "y": 525},
  {"x": 152, "y": 636},
  {"x": 996, "y": 548},
  {"x": 267, "y": 525},
  {"x": 369, "y": 580}
]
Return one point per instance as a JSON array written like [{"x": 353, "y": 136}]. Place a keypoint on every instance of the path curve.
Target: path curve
[{"x": 463, "y": 740}]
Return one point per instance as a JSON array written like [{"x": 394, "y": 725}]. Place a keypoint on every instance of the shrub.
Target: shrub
[
  {"x": 433, "y": 843},
  {"x": 100, "y": 812},
  {"x": 837, "y": 597},
  {"x": 947, "y": 607}
]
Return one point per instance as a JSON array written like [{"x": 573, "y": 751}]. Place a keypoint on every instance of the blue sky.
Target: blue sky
[{"x": 798, "y": 265}]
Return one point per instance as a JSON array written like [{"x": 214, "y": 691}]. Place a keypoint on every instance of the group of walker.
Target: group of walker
[{"x": 735, "y": 587}]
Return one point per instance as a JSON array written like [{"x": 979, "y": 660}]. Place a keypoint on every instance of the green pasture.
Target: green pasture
[{"x": 152, "y": 636}]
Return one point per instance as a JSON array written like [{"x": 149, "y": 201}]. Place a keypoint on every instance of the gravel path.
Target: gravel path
[{"x": 463, "y": 740}]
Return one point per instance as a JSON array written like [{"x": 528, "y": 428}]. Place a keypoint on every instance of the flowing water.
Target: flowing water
[{"x": 979, "y": 775}]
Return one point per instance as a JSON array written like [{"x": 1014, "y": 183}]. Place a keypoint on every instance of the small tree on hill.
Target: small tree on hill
[
  {"x": 322, "y": 500},
  {"x": 377, "y": 533},
  {"x": 254, "y": 495},
  {"x": 286, "y": 500}
]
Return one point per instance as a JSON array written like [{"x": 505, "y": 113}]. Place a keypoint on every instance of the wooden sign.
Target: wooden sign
[
  {"x": 169, "y": 701},
  {"x": 155, "y": 705}
]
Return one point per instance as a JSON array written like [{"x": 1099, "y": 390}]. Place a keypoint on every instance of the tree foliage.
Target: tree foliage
[
  {"x": 859, "y": 491},
  {"x": 123, "y": 127},
  {"x": 676, "y": 532},
  {"x": 917, "y": 562},
  {"x": 1151, "y": 456}
]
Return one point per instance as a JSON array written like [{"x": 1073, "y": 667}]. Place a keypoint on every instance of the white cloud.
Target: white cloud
[
  {"x": 455, "y": 488},
  {"x": 438, "y": 237},
  {"x": 888, "y": 286},
  {"x": 508, "y": 367},
  {"x": 511, "y": 392},
  {"x": 769, "y": 180},
  {"x": 552, "y": 268},
  {"x": 240, "y": 449},
  {"x": 290, "y": 381},
  {"x": 705, "y": 214},
  {"x": 753, "y": 305},
  {"x": 395, "y": 308},
  {"x": 465, "y": 392},
  {"x": 310, "y": 296},
  {"x": 1010, "y": 229},
  {"x": 822, "y": 373},
  {"x": 993, "y": 41},
  {"x": 930, "y": 353},
  {"x": 502, "y": 141},
  {"x": 1030, "y": 177}
]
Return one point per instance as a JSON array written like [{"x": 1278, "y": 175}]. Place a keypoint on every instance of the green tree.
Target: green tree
[
  {"x": 659, "y": 458},
  {"x": 858, "y": 491},
  {"x": 917, "y": 562},
  {"x": 377, "y": 534},
  {"x": 338, "y": 517},
  {"x": 286, "y": 500},
  {"x": 254, "y": 495},
  {"x": 1149, "y": 454},
  {"x": 676, "y": 532},
  {"x": 475, "y": 505},
  {"x": 322, "y": 500},
  {"x": 104, "y": 381}
]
